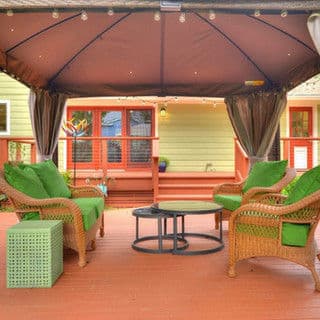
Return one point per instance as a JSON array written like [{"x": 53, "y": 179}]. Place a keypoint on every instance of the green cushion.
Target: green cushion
[
  {"x": 265, "y": 174},
  {"x": 91, "y": 209},
  {"x": 294, "y": 234},
  {"x": 308, "y": 183},
  {"x": 229, "y": 202},
  {"x": 51, "y": 179},
  {"x": 31, "y": 216},
  {"x": 25, "y": 180}
]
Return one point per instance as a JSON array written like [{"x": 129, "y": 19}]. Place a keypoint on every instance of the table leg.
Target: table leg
[
  {"x": 137, "y": 228},
  {"x": 165, "y": 226},
  {"x": 182, "y": 227},
  {"x": 175, "y": 233}
]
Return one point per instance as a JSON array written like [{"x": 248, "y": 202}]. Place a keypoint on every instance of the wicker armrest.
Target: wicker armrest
[
  {"x": 85, "y": 191},
  {"x": 228, "y": 188}
]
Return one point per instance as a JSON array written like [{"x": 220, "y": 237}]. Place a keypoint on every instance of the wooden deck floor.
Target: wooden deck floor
[{"x": 120, "y": 283}]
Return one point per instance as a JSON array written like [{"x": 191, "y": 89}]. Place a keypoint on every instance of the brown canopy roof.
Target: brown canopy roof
[{"x": 129, "y": 53}]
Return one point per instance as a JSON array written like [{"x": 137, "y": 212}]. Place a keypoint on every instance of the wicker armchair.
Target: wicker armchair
[
  {"x": 74, "y": 234},
  {"x": 255, "y": 229},
  {"x": 253, "y": 194}
]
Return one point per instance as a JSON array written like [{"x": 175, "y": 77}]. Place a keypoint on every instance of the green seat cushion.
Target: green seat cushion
[
  {"x": 294, "y": 234},
  {"x": 308, "y": 183},
  {"x": 91, "y": 209},
  {"x": 229, "y": 202},
  {"x": 25, "y": 180},
  {"x": 31, "y": 216},
  {"x": 51, "y": 179},
  {"x": 265, "y": 174}
]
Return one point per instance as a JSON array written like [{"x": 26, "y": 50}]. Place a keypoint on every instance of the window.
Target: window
[
  {"x": 4, "y": 117},
  {"x": 120, "y": 125}
]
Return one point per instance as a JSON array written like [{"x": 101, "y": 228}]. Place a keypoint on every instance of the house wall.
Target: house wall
[
  {"x": 18, "y": 95},
  {"x": 197, "y": 136}
]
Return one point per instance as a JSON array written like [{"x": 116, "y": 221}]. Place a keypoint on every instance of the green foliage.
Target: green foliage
[
  {"x": 164, "y": 159},
  {"x": 66, "y": 176},
  {"x": 290, "y": 186}
]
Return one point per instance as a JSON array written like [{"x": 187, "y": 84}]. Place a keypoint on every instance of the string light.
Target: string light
[
  {"x": 182, "y": 17},
  {"x": 157, "y": 16},
  {"x": 257, "y": 13},
  {"x": 55, "y": 14},
  {"x": 284, "y": 13},
  {"x": 9, "y": 13},
  {"x": 212, "y": 15},
  {"x": 84, "y": 16}
]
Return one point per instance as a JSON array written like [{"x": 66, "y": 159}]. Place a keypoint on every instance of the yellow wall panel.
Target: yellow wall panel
[{"x": 197, "y": 137}]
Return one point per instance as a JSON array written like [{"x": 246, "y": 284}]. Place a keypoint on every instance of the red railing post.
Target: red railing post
[{"x": 4, "y": 151}]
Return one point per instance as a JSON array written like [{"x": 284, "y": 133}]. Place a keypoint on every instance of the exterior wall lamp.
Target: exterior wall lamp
[{"x": 163, "y": 112}]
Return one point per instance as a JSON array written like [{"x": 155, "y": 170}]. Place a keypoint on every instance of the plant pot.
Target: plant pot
[{"x": 162, "y": 166}]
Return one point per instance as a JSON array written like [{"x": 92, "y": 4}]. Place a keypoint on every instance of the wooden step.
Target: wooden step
[
  {"x": 186, "y": 185},
  {"x": 203, "y": 197}
]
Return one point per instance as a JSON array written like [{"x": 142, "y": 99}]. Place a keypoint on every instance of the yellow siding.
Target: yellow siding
[
  {"x": 18, "y": 95},
  {"x": 196, "y": 136}
]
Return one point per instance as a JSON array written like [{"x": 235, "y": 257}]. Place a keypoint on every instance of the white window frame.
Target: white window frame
[{"x": 7, "y": 103}]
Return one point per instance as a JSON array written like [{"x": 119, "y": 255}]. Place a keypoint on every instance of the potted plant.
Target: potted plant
[{"x": 163, "y": 163}]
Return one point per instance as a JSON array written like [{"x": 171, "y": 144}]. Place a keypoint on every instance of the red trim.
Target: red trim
[{"x": 100, "y": 149}]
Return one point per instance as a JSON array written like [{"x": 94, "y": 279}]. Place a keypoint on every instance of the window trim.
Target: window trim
[
  {"x": 7, "y": 103},
  {"x": 96, "y": 110}
]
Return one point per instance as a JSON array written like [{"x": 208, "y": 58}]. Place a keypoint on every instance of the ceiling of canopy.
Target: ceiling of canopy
[{"x": 132, "y": 51}]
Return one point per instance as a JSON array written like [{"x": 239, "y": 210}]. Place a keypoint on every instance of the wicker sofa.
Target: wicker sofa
[
  {"x": 278, "y": 227},
  {"x": 234, "y": 195},
  {"x": 79, "y": 231}
]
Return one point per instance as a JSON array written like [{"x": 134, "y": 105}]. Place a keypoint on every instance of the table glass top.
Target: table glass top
[{"x": 187, "y": 206}]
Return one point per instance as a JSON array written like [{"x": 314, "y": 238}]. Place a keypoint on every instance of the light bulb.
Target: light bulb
[
  {"x": 84, "y": 16},
  {"x": 182, "y": 17},
  {"x": 257, "y": 13},
  {"x": 9, "y": 13},
  {"x": 157, "y": 16},
  {"x": 55, "y": 14},
  {"x": 284, "y": 13},
  {"x": 212, "y": 15},
  {"x": 110, "y": 12}
]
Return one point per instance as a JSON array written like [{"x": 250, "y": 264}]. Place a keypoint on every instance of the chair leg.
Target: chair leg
[
  {"x": 232, "y": 270},
  {"x": 315, "y": 277},
  {"x": 216, "y": 221},
  {"x": 93, "y": 244},
  {"x": 102, "y": 226},
  {"x": 82, "y": 259}
]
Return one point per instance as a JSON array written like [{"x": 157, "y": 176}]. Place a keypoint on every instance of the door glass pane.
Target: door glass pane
[
  {"x": 82, "y": 149},
  {"x": 111, "y": 126},
  {"x": 300, "y": 124},
  {"x": 140, "y": 126},
  {"x": 3, "y": 117}
]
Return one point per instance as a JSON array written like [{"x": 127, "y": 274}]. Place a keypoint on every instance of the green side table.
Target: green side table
[{"x": 34, "y": 254}]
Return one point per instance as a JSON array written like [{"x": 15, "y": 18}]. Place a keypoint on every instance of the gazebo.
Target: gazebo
[{"x": 250, "y": 52}]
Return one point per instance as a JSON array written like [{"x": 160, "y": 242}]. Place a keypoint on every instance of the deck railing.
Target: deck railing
[{"x": 312, "y": 145}]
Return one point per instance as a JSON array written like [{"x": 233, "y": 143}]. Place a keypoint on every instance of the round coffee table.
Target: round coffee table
[
  {"x": 148, "y": 213},
  {"x": 189, "y": 207}
]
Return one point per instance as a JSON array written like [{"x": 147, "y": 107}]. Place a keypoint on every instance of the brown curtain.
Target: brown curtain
[
  {"x": 314, "y": 29},
  {"x": 46, "y": 112},
  {"x": 255, "y": 119}
]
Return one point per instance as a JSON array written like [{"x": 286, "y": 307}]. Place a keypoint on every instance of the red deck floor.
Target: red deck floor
[{"x": 120, "y": 283}]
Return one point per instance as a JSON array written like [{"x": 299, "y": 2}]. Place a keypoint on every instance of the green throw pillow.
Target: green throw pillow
[
  {"x": 51, "y": 179},
  {"x": 25, "y": 180},
  {"x": 308, "y": 183},
  {"x": 265, "y": 174},
  {"x": 294, "y": 234}
]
